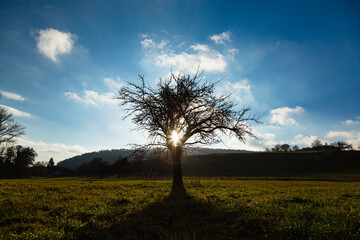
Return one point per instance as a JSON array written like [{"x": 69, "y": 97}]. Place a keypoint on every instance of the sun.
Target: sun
[{"x": 175, "y": 137}]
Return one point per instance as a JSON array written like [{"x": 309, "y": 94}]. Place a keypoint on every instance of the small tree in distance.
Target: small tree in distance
[
  {"x": 182, "y": 111},
  {"x": 285, "y": 147},
  {"x": 51, "y": 163},
  {"x": 295, "y": 148}
]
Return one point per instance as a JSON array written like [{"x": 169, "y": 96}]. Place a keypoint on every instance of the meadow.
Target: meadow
[{"x": 215, "y": 208}]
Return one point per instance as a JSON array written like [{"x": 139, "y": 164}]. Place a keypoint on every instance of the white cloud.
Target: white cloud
[
  {"x": 112, "y": 84},
  {"x": 201, "y": 47},
  {"x": 221, "y": 38},
  {"x": 231, "y": 53},
  {"x": 351, "y": 122},
  {"x": 339, "y": 134},
  {"x": 354, "y": 140},
  {"x": 266, "y": 140},
  {"x": 209, "y": 62},
  {"x": 283, "y": 115},
  {"x": 143, "y": 35},
  {"x": 149, "y": 43},
  {"x": 52, "y": 43},
  {"x": 91, "y": 97},
  {"x": 163, "y": 56},
  {"x": 16, "y": 112},
  {"x": 58, "y": 151},
  {"x": 305, "y": 141},
  {"x": 240, "y": 91},
  {"x": 12, "y": 96},
  {"x": 352, "y": 137}
]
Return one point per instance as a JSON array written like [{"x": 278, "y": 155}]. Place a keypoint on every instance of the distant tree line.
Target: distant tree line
[
  {"x": 243, "y": 164},
  {"x": 123, "y": 166},
  {"x": 317, "y": 145},
  {"x": 19, "y": 162},
  {"x": 98, "y": 167}
]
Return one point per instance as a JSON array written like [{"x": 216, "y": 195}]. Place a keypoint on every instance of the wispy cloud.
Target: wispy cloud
[
  {"x": 91, "y": 97},
  {"x": 13, "y": 96},
  {"x": 94, "y": 98},
  {"x": 113, "y": 84},
  {"x": 209, "y": 62},
  {"x": 161, "y": 54},
  {"x": 201, "y": 48},
  {"x": 351, "y": 122},
  {"x": 302, "y": 140},
  {"x": 283, "y": 116},
  {"x": 16, "y": 112},
  {"x": 149, "y": 43},
  {"x": 221, "y": 38},
  {"x": 52, "y": 43},
  {"x": 58, "y": 151},
  {"x": 339, "y": 134},
  {"x": 266, "y": 140},
  {"x": 240, "y": 90}
]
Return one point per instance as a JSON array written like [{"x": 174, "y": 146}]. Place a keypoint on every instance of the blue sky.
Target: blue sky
[{"x": 295, "y": 62}]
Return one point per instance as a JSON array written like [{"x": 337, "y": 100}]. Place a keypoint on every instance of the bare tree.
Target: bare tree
[
  {"x": 316, "y": 144},
  {"x": 183, "y": 111},
  {"x": 9, "y": 129},
  {"x": 342, "y": 145}
]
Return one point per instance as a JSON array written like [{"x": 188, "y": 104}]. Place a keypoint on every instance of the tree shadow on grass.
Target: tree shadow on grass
[{"x": 177, "y": 216}]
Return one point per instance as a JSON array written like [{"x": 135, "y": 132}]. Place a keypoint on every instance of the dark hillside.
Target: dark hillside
[
  {"x": 272, "y": 164},
  {"x": 234, "y": 164},
  {"x": 111, "y": 156}
]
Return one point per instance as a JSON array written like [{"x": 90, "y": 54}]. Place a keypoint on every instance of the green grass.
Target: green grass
[{"x": 214, "y": 209}]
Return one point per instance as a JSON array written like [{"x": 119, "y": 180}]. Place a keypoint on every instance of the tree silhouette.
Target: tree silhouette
[
  {"x": 24, "y": 158},
  {"x": 342, "y": 145},
  {"x": 316, "y": 144},
  {"x": 120, "y": 165},
  {"x": 183, "y": 111},
  {"x": 97, "y": 166},
  {"x": 285, "y": 147},
  {"x": 9, "y": 129},
  {"x": 276, "y": 148},
  {"x": 51, "y": 163},
  {"x": 295, "y": 148}
]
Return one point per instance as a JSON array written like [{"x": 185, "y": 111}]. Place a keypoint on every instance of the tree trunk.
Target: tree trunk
[{"x": 177, "y": 170}]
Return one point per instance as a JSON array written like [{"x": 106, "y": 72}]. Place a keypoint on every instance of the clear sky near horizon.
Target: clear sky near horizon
[{"x": 295, "y": 62}]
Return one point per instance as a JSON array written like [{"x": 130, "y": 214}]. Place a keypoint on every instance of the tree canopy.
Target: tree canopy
[
  {"x": 187, "y": 106},
  {"x": 9, "y": 128}
]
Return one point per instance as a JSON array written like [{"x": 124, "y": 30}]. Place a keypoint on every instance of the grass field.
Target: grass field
[{"x": 214, "y": 209}]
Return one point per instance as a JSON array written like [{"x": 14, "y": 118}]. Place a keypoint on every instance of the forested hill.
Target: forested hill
[{"x": 111, "y": 156}]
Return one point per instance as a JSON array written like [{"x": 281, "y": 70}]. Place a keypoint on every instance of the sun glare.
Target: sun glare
[{"x": 175, "y": 137}]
